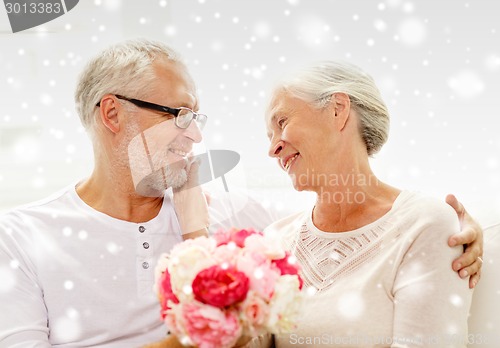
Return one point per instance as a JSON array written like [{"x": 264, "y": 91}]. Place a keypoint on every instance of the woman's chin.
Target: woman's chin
[{"x": 297, "y": 185}]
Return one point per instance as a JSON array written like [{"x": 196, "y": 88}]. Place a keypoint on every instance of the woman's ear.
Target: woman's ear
[
  {"x": 341, "y": 108},
  {"x": 108, "y": 113}
]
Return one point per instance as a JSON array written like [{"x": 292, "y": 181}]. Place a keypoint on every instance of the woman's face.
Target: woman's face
[{"x": 302, "y": 139}]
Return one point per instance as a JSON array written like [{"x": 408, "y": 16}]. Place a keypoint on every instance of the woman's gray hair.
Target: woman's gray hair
[
  {"x": 124, "y": 68},
  {"x": 319, "y": 82}
]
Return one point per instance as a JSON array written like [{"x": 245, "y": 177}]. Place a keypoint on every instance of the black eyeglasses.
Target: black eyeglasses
[{"x": 183, "y": 116}]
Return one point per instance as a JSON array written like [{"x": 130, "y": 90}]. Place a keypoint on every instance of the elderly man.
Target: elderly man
[
  {"x": 80, "y": 263},
  {"x": 77, "y": 267}
]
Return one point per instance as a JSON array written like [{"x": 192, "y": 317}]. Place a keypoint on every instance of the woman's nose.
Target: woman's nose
[{"x": 275, "y": 149}]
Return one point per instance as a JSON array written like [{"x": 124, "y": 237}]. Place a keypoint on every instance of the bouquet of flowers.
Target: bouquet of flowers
[{"x": 216, "y": 290}]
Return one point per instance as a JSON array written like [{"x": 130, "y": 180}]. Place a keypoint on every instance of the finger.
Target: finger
[
  {"x": 191, "y": 160},
  {"x": 208, "y": 197},
  {"x": 474, "y": 279},
  {"x": 466, "y": 236},
  {"x": 470, "y": 270},
  {"x": 467, "y": 258},
  {"x": 455, "y": 204}
]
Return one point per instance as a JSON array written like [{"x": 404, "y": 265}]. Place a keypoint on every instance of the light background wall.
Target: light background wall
[{"x": 437, "y": 64}]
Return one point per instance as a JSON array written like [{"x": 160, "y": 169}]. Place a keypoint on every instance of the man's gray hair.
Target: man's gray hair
[
  {"x": 125, "y": 68},
  {"x": 319, "y": 82}
]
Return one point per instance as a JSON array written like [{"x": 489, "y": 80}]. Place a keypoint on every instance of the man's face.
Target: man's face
[{"x": 159, "y": 152}]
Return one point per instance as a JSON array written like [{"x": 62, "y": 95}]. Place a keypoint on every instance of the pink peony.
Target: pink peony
[
  {"x": 185, "y": 264},
  {"x": 220, "y": 287},
  {"x": 214, "y": 291},
  {"x": 222, "y": 237},
  {"x": 226, "y": 254},
  {"x": 240, "y": 236},
  {"x": 286, "y": 266},
  {"x": 165, "y": 292},
  {"x": 260, "y": 271},
  {"x": 205, "y": 243},
  {"x": 234, "y": 235},
  {"x": 254, "y": 312},
  {"x": 264, "y": 245},
  {"x": 210, "y": 327}
]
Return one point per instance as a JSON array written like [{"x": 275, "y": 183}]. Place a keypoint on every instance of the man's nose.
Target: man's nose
[{"x": 193, "y": 132}]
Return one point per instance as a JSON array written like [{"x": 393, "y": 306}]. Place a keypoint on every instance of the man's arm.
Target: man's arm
[
  {"x": 471, "y": 237},
  {"x": 23, "y": 315}
]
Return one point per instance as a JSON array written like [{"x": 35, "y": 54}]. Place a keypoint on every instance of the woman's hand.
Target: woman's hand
[
  {"x": 263, "y": 341},
  {"x": 169, "y": 342},
  {"x": 471, "y": 237},
  {"x": 191, "y": 206}
]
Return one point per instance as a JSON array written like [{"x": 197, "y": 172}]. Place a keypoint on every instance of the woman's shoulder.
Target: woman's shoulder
[
  {"x": 425, "y": 205},
  {"x": 419, "y": 209},
  {"x": 289, "y": 224}
]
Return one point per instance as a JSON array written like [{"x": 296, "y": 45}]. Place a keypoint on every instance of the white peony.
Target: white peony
[{"x": 285, "y": 305}]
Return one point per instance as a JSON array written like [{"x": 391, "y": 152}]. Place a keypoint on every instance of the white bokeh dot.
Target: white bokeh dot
[
  {"x": 112, "y": 248},
  {"x": 69, "y": 285},
  {"x": 65, "y": 329},
  {"x": 456, "y": 300},
  {"x": 492, "y": 62},
  {"x": 311, "y": 290},
  {"x": 412, "y": 32},
  {"x": 466, "y": 84},
  {"x": 46, "y": 99},
  {"x": 8, "y": 278},
  {"x": 83, "y": 235},
  {"x": 380, "y": 25},
  {"x": 351, "y": 305},
  {"x": 408, "y": 7},
  {"x": 262, "y": 29},
  {"x": 112, "y": 5},
  {"x": 67, "y": 231},
  {"x": 170, "y": 30}
]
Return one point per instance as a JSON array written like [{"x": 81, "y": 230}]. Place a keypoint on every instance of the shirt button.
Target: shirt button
[
  {"x": 145, "y": 265},
  {"x": 145, "y": 245},
  {"x": 142, "y": 229}
]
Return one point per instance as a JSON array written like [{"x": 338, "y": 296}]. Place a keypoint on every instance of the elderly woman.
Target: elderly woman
[{"x": 376, "y": 263}]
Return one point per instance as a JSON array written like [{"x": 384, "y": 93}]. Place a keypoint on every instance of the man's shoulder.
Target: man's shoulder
[{"x": 44, "y": 206}]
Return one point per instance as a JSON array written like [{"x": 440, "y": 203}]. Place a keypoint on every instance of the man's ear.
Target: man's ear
[
  {"x": 108, "y": 112},
  {"x": 341, "y": 109}
]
